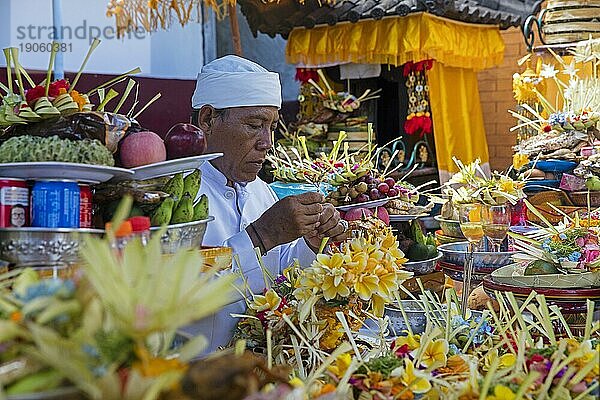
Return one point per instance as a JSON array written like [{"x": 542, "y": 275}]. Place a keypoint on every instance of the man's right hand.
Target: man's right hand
[{"x": 289, "y": 219}]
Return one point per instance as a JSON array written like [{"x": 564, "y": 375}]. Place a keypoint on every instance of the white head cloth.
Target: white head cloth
[{"x": 233, "y": 81}]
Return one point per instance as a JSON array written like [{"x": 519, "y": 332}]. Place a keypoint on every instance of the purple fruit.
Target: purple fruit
[
  {"x": 383, "y": 187},
  {"x": 376, "y": 181},
  {"x": 368, "y": 179},
  {"x": 374, "y": 194},
  {"x": 361, "y": 179},
  {"x": 390, "y": 182},
  {"x": 392, "y": 192},
  {"x": 362, "y": 198}
]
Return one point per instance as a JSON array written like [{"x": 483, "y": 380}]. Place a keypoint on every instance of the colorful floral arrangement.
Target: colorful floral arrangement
[
  {"x": 572, "y": 246},
  {"x": 471, "y": 184},
  {"x": 53, "y": 99},
  {"x": 108, "y": 332}
]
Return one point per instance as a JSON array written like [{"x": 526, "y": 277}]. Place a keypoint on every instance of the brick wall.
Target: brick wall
[{"x": 495, "y": 89}]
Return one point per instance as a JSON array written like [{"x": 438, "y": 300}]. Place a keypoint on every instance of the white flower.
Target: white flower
[
  {"x": 571, "y": 70},
  {"x": 548, "y": 71}
]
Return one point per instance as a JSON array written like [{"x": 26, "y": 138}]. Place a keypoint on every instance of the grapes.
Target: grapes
[
  {"x": 361, "y": 187},
  {"x": 353, "y": 193},
  {"x": 376, "y": 182},
  {"x": 374, "y": 194},
  {"x": 392, "y": 192},
  {"x": 390, "y": 182},
  {"x": 362, "y": 198},
  {"x": 368, "y": 179},
  {"x": 383, "y": 187}
]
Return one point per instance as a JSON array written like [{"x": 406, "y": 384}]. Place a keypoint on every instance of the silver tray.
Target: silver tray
[
  {"x": 183, "y": 236},
  {"x": 171, "y": 167},
  {"x": 42, "y": 245},
  {"x": 454, "y": 253},
  {"x": 87, "y": 173},
  {"x": 423, "y": 267}
]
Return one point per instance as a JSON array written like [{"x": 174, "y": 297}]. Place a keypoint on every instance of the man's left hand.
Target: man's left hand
[{"x": 330, "y": 225}]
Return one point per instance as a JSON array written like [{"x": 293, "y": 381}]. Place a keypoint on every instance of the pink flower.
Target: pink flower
[
  {"x": 580, "y": 242},
  {"x": 591, "y": 255}
]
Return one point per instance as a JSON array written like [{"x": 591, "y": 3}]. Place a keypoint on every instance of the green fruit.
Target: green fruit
[
  {"x": 184, "y": 212},
  {"x": 175, "y": 187},
  {"x": 418, "y": 252},
  {"x": 191, "y": 183},
  {"x": 201, "y": 208},
  {"x": 540, "y": 267},
  {"x": 162, "y": 215},
  {"x": 592, "y": 183},
  {"x": 45, "y": 380}
]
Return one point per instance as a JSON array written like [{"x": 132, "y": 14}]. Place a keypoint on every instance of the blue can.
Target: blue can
[{"x": 55, "y": 204}]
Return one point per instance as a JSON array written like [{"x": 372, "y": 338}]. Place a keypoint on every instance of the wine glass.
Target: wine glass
[
  {"x": 496, "y": 221},
  {"x": 469, "y": 217}
]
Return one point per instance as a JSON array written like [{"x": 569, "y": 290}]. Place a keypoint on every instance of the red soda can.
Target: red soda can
[
  {"x": 14, "y": 203},
  {"x": 85, "y": 206}
]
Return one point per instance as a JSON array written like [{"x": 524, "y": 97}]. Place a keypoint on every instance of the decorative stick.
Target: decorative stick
[
  {"x": 8, "y": 57},
  {"x": 93, "y": 46},
  {"x": 15, "y": 56},
  {"x": 50, "y": 66},
  {"x": 147, "y": 105}
]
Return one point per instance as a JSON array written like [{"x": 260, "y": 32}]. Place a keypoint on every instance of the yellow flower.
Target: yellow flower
[
  {"x": 296, "y": 382},
  {"x": 435, "y": 354},
  {"x": 270, "y": 301},
  {"x": 366, "y": 285},
  {"x": 334, "y": 283},
  {"x": 502, "y": 392},
  {"x": 388, "y": 283},
  {"x": 414, "y": 379},
  {"x": 520, "y": 160},
  {"x": 412, "y": 341},
  {"x": 79, "y": 99},
  {"x": 151, "y": 366},
  {"x": 342, "y": 362},
  {"x": 506, "y": 360}
]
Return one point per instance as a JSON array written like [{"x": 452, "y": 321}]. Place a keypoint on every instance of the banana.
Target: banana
[
  {"x": 45, "y": 380},
  {"x": 162, "y": 215},
  {"x": 175, "y": 187},
  {"x": 184, "y": 212},
  {"x": 191, "y": 183},
  {"x": 201, "y": 209}
]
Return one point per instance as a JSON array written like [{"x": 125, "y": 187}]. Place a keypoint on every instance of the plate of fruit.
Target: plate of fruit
[{"x": 366, "y": 191}]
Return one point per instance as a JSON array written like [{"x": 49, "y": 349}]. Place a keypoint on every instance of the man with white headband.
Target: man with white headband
[{"x": 236, "y": 104}]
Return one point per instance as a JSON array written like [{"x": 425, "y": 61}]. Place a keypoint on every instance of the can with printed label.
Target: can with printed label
[
  {"x": 14, "y": 203},
  {"x": 85, "y": 206},
  {"x": 55, "y": 204}
]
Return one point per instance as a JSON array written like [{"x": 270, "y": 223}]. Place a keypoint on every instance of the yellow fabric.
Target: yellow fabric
[
  {"x": 457, "y": 117},
  {"x": 397, "y": 40}
]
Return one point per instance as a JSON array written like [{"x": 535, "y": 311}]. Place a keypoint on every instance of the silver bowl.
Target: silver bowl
[
  {"x": 415, "y": 317},
  {"x": 450, "y": 227},
  {"x": 423, "y": 267},
  {"x": 42, "y": 245},
  {"x": 183, "y": 236},
  {"x": 454, "y": 253}
]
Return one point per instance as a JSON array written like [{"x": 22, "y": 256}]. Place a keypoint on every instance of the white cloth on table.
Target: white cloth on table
[{"x": 234, "y": 208}]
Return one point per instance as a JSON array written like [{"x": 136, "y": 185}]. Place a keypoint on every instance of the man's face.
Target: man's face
[
  {"x": 17, "y": 216},
  {"x": 243, "y": 135}
]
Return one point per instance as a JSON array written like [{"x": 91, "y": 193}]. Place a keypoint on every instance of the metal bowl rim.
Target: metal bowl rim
[
  {"x": 185, "y": 224},
  {"x": 442, "y": 248},
  {"x": 436, "y": 258},
  {"x": 440, "y": 219},
  {"x": 51, "y": 230}
]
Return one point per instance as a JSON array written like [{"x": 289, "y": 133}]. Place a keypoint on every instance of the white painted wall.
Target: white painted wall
[{"x": 176, "y": 53}]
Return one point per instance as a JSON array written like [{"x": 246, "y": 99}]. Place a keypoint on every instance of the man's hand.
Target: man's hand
[
  {"x": 330, "y": 225},
  {"x": 289, "y": 219}
]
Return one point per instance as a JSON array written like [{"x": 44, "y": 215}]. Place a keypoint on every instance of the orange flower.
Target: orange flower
[
  {"x": 16, "y": 316},
  {"x": 328, "y": 388},
  {"x": 79, "y": 99}
]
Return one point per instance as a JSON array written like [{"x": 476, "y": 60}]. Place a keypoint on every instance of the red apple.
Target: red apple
[
  {"x": 142, "y": 148},
  {"x": 184, "y": 140}
]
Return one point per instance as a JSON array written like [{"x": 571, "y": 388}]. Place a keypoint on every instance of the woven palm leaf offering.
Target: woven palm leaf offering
[
  {"x": 53, "y": 121},
  {"x": 511, "y": 353},
  {"x": 566, "y": 255},
  {"x": 109, "y": 331}
]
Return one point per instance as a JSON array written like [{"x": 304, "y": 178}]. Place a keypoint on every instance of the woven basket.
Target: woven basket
[
  {"x": 566, "y": 21},
  {"x": 581, "y": 199}
]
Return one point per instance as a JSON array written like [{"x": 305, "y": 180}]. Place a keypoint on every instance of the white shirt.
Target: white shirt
[{"x": 234, "y": 209}]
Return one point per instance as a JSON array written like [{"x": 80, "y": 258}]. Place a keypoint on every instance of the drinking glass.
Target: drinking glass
[
  {"x": 496, "y": 221},
  {"x": 469, "y": 217}
]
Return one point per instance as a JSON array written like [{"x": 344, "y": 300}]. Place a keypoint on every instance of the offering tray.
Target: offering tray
[
  {"x": 62, "y": 170},
  {"x": 513, "y": 275},
  {"x": 42, "y": 245},
  {"x": 449, "y": 227},
  {"x": 187, "y": 235},
  {"x": 454, "y": 253},
  {"x": 423, "y": 267}
]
